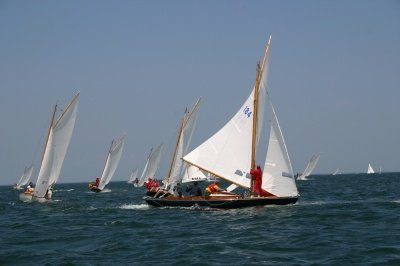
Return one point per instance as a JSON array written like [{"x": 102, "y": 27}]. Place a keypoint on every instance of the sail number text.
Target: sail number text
[{"x": 247, "y": 111}]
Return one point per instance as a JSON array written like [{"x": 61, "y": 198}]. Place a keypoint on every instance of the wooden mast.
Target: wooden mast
[{"x": 259, "y": 73}]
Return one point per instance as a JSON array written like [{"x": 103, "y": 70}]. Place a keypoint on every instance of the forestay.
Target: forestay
[
  {"x": 113, "y": 158},
  {"x": 56, "y": 148}
]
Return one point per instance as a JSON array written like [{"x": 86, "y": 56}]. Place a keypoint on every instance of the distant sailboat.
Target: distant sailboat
[
  {"x": 336, "y": 172},
  {"x": 151, "y": 166},
  {"x": 370, "y": 169},
  {"x": 309, "y": 168},
  {"x": 24, "y": 177},
  {"x": 112, "y": 161},
  {"x": 58, "y": 139},
  {"x": 133, "y": 179}
]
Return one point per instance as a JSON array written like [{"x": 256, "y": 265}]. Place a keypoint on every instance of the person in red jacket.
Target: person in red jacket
[
  {"x": 97, "y": 183},
  {"x": 257, "y": 179},
  {"x": 213, "y": 188},
  {"x": 148, "y": 183}
]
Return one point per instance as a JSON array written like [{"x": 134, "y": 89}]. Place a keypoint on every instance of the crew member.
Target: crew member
[
  {"x": 257, "y": 180},
  {"x": 213, "y": 188}
]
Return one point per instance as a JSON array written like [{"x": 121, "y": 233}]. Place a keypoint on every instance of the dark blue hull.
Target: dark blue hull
[{"x": 229, "y": 203}]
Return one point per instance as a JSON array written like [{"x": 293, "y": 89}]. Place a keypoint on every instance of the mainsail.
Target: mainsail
[
  {"x": 25, "y": 176},
  {"x": 370, "y": 169},
  {"x": 229, "y": 153},
  {"x": 60, "y": 133},
  {"x": 184, "y": 136},
  {"x": 310, "y": 167},
  {"x": 113, "y": 157},
  {"x": 278, "y": 176},
  {"x": 151, "y": 166}
]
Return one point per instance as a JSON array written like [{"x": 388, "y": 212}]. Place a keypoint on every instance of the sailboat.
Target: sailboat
[
  {"x": 336, "y": 171},
  {"x": 151, "y": 166},
  {"x": 110, "y": 165},
  {"x": 231, "y": 152},
  {"x": 176, "y": 167},
  {"x": 56, "y": 146},
  {"x": 133, "y": 179},
  {"x": 23, "y": 180},
  {"x": 309, "y": 168},
  {"x": 370, "y": 169}
]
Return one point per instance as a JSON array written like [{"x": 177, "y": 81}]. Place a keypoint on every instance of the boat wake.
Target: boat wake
[
  {"x": 135, "y": 207},
  {"x": 333, "y": 202},
  {"x": 64, "y": 190}
]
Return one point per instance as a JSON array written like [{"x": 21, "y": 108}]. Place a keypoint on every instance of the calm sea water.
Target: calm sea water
[{"x": 339, "y": 220}]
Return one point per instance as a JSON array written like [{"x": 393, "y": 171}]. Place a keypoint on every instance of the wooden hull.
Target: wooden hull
[{"x": 223, "y": 202}]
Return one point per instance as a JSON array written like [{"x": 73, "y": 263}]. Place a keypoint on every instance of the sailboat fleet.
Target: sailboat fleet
[{"x": 230, "y": 154}]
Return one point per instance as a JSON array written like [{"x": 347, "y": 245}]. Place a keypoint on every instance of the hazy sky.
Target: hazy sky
[{"x": 334, "y": 78}]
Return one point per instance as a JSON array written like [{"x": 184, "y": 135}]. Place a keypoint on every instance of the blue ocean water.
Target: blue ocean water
[{"x": 348, "y": 219}]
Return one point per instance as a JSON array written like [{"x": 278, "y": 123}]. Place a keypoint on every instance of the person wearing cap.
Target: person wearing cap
[
  {"x": 213, "y": 188},
  {"x": 257, "y": 180}
]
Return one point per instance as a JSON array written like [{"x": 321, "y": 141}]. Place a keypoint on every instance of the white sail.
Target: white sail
[
  {"x": 192, "y": 173},
  {"x": 151, "y": 166},
  {"x": 56, "y": 148},
  {"x": 133, "y": 176},
  {"x": 309, "y": 168},
  {"x": 25, "y": 176},
  {"x": 336, "y": 172},
  {"x": 278, "y": 177},
  {"x": 184, "y": 138},
  {"x": 113, "y": 158},
  {"x": 228, "y": 153},
  {"x": 370, "y": 169}
]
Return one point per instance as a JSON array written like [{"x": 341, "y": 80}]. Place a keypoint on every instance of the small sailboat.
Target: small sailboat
[
  {"x": 56, "y": 146},
  {"x": 309, "y": 168},
  {"x": 370, "y": 169},
  {"x": 231, "y": 152},
  {"x": 110, "y": 165},
  {"x": 133, "y": 179},
  {"x": 336, "y": 172},
  {"x": 23, "y": 180},
  {"x": 151, "y": 166},
  {"x": 176, "y": 166}
]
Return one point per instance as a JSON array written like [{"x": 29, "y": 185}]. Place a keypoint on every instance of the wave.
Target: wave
[
  {"x": 330, "y": 202},
  {"x": 63, "y": 190}
]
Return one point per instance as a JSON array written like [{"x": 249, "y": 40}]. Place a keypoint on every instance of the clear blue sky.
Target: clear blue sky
[{"x": 334, "y": 77}]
